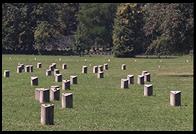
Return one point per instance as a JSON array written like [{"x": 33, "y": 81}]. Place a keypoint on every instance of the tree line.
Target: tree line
[{"x": 126, "y": 29}]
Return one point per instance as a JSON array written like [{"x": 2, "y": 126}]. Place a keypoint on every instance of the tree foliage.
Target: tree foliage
[
  {"x": 127, "y": 28},
  {"x": 128, "y": 34}
]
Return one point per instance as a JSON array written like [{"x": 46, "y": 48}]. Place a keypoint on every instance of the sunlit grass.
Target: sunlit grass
[{"x": 100, "y": 104}]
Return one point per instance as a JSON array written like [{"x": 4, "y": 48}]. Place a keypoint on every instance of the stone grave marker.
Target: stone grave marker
[
  {"x": 54, "y": 93},
  {"x": 6, "y": 73},
  {"x": 105, "y": 66},
  {"x": 64, "y": 66},
  {"x": 47, "y": 114},
  {"x": 44, "y": 95},
  {"x": 65, "y": 84},
  {"x": 130, "y": 79},
  {"x": 124, "y": 83},
  {"x": 175, "y": 98},
  {"x": 95, "y": 69},
  {"x": 84, "y": 69},
  {"x": 48, "y": 72},
  {"x": 34, "y": 81},
  {"x": 147, "y": 77},
  {"x": 148, "y": 90},
  {"x": 39, "y": 65},
  {"x": 67, "y": 100},
  {"x": 140, "y": 79},
  {"x": 73, "y": 79},
  {"x": 123, "y": 67},
  {"x": 100, "y": 74},
  {"x": 58, "y": 78}
]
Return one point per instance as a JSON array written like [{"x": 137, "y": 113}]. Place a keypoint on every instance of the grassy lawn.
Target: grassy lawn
[{"x": 100, "y": 104}]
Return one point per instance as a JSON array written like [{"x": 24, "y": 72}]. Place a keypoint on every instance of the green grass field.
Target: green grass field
[{"x": 100, "y": 104}]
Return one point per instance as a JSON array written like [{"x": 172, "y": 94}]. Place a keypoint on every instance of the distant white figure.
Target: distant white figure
[
  {"x": 108, "y": 60},
  {"x": 10, "y": 58},
  {"x": 85, "y": 60},
  {"x": 35, "y": 58},
  {"x": 159, "y": 66},
  {"x": 187, "y": 61},
  {"x": 135, "y": 60},
  {"x": 59, "y": 59}
]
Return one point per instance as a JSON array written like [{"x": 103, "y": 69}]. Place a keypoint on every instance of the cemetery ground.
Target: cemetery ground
[{"x": 100, "y": 104}]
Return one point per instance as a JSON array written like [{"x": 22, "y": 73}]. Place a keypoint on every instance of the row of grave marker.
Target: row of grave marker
[{"x": 47, "y": 110}]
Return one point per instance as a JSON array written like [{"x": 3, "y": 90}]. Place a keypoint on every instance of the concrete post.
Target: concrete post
[
  {"x": 100, "y": 68},
  {"x": 84, "y": 69},
  {"x": 39, "y": 65},
  {"x": 31, "y": 68},
  {"x": 105, "y": 66},
  {"x": 44, "y": 95},
  {"x": 65, "y": 84},
  {"x": 73, "y": 79},
  {"x": 148, "y": 90},
  {"x": 130, "y": 79},
  {"x": 22, "y": 65},
  {"x": 34, "y": 81},
  {"x": 67, "y": 100},
  {"x": 58, "y": 78},
  {"x": 123, "y": 67},
  {"x": 19, "y": 69},
  {"x": 64, "y": 66},
  {"x": 48, "y": 72},
  {"x": 6, "y": 73},
  {"x": 100, "y": 74},
  {"x": 37, "y": 93},
  {"x": 47, "y": 114},
  {"x": 27, "y": 68},
  {"x": 140, "y": 79},
  {"x": 51, "y": 67},
  {"x": 95, "y": 69},
  {"x": 175, "y": 98},
  {"x": 124, "y": 83},
  {"x": 147, "y": 77},
  {"x": 54, "y": 93}
]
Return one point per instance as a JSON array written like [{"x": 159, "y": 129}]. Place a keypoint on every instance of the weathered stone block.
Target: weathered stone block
[
  {"x": 84, "y": 69},
  {"x": 140, "y": 79},
  {"x": 6, "y": 73},
  {"x": 123, "y": 67},
  {"x": 73, "y": 79},
  {"x": 65, "y": 84},
  {"x": 67, "y": 100},
  {"x": 100, "y": 74},
  {"x": 34, "y": 81},
  {"x": 124, "y": 83},
  {"x": 39, "y": 65},
  {"x": 44, "y": 95},
  {"x": 47, "y": 114},
  {"x": 175, "y": 98},
  {"x": 130, "y": 79},
  {"x": 58, "y": 78},
  {"x": 148, "y": 90}
]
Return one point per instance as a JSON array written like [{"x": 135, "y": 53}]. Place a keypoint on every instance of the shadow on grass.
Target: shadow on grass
[
  {"x": 155, "y": 57},
  {"x": 182, "y": 75},
  {"x": 189, "y": 75}
]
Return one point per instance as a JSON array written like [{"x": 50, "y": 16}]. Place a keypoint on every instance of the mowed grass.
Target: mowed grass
[{"x": 100, "y": 104}]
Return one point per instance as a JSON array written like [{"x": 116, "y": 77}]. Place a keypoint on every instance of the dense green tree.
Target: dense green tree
[
  {"x": 12, "y": 25},
  {"x": 153, "y": 28},
  {"x": 173, "y": 22},
  {"x": 95, "y": 25},
  {"x": 128, "y": 34}
]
